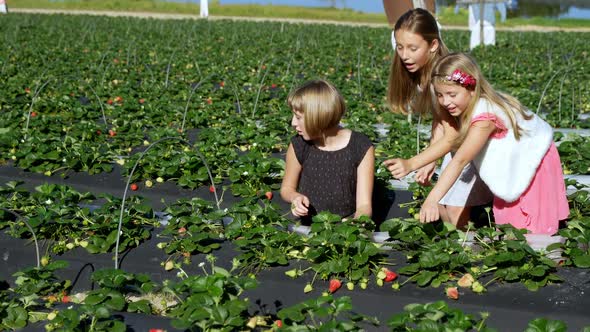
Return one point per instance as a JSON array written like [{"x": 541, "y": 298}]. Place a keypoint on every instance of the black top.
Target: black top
[{"x": 328, "y": 178}]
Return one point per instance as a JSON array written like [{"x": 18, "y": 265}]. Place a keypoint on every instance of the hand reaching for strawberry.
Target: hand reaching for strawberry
[
  {"x": 300, "y": 205},
  {"x": 398, "y": 167},
  {"x": 429, "y": 211},
  {"x": 424, "y": 174}
]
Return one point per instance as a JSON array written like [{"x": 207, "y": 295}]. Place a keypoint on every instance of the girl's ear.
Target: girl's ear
[{"x": 434, "y": 46}]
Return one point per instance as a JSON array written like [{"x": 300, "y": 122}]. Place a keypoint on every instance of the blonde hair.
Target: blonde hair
[
  {"x": 441, "y": 73},
  {"x": 402, "y": 87},
  {"x": 321, "y": 104}
]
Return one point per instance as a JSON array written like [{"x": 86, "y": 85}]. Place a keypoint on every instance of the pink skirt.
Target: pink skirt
[{"x": 540, "y": 208}]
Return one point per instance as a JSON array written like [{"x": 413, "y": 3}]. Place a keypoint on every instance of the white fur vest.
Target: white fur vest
[{"x": 508, "y": 165}]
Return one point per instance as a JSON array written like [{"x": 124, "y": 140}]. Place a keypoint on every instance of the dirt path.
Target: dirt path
[{"x": 267, "y": 19}]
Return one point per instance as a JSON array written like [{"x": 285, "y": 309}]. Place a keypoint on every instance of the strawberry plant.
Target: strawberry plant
[
  {"x": 343, "y": 249},
  {"x": 436, "y": 316},
  {"x": 576, "y": 249},
  {"x": 259, "y": 230},
  {"x": 324, "y": 313},
  {"x": 436, "y": 263},
  {"x": 42, "y": 281},
  {"x": 85, "y": 317},
  {"x": 101, "y": 229},
  {"x": 211, "y": 301},
  {"x": 193, "y": 227},
  {"x": 507, "y": 253},
  {"x": 574, "y": 153},
  {"x": 253, "y": 173},
  {"x": 115, "y": 289},
  {"x": 13, "y": 314}
]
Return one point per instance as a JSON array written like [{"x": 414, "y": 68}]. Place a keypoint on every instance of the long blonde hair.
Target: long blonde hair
[
  {"x": 402, "y": 88},
  {"x": 443, "y": 69}
]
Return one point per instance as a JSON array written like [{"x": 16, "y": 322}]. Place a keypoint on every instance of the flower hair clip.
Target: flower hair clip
[{"x": 466, "y": 80}]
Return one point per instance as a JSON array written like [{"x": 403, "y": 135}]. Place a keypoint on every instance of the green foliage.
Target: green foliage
[
  {"x": 324, "y": 313},
  {"x": 258, "y": 229},
  {"x": 211, "y": 302},
  {"x": 41, "y": 281},
  {"x": 436, "y": 316},
  {"x": 343, "y": 249},
  {"x": 193, "y": 227}
]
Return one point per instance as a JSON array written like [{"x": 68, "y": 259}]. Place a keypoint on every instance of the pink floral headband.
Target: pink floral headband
[{"x": 464, "y": 79}]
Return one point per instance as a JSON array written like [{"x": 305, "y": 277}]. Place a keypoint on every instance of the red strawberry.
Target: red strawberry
[
  {"x": 452, "y": 293},
  {"x": 389, "y": 275},
  {"x": 211, "y": 189},
  {"x": 27, "y": 90},
  {"x": 118, "y": 99},
  {"x": 33, "y": 114},
  {"x": 181, "y": 230},
  {"x": 157, "y": 330},
  {"x": 273, "y": 86},
  {"x": 65, "y": 299},
  {"x": 222, "y": 84},
  {"x": 110, "y": 101},
  {"x": 133, "y": 187},
  {"x": 209, "y": 101},
  {"x": 335, "y": 284},
  {"x": 98, "y": 132},
  {"x": 279, "y": 323},
  {"x": 268, "y": 195},
  {"x": 112, "y": 133},
  {"x": 141, "y": 100}
]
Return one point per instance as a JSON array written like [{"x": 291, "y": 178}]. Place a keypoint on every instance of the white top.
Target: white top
[{"x": 506, "y": 165}]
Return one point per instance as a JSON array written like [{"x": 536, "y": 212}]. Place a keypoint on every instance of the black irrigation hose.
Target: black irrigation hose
[{"x": 18, "y": 216}]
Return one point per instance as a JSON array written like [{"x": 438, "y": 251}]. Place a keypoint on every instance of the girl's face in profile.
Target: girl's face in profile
[
  {"x": 453, "y": 97},
  {"x": 298, "y": 123},
  {"x": 413, "y": 49}
]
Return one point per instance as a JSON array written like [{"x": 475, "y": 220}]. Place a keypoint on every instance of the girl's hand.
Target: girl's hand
[
  {"x": 424, "y": 174},
  {"x": 397, "y": 167},
  {"x": 299, "y": 206},
  {"x": 429, "y": 211}
]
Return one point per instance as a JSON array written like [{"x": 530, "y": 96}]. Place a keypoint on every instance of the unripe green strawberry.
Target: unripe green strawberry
[
  {"x": 44, "y": 261},
  {"x": 477, "y": 287},
  {"x": 169, "y": 265},
  {"x": 51, "y": 315},
  {"x": 350, "y": 285},
  {"x": 292, "y": 273}
]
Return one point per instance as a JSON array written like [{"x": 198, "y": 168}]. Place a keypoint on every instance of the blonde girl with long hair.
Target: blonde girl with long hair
[
  {"x": 511, "y": 147},
  {"x": 328, "y": 167},
  {"x": 418, "y": 46}
]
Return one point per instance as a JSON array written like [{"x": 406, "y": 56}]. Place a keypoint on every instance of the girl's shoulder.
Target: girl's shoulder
[
  {"x": 361, "y": 138},
  {"x": 484, "y": 105}
]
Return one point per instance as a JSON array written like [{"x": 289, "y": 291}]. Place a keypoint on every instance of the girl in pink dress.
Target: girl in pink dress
[{"x": 511, "y": 147}]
